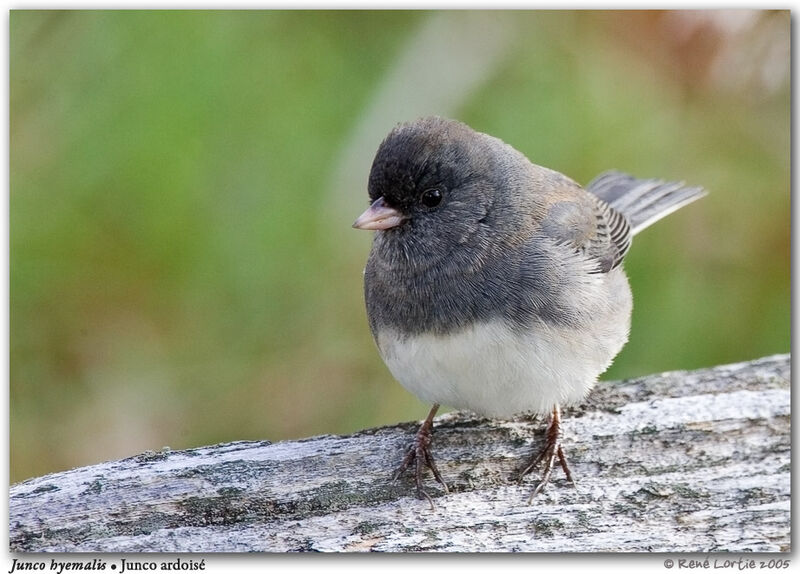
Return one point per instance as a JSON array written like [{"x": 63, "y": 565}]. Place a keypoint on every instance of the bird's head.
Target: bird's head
[{"x": 430, "y": 186}]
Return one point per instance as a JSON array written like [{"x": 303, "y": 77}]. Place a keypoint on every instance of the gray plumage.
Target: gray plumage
[
  {"x": 642, "y": 201},
  {"x": 510, "y": 244}
]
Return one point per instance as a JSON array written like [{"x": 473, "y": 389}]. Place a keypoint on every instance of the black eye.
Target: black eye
[{"x": 431, "y": 197}]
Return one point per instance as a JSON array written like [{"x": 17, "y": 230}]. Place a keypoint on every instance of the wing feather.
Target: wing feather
[{"x": 590, "y": 226}]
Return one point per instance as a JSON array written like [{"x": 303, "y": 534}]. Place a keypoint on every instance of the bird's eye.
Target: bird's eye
[{"x": 431, "y": 197}]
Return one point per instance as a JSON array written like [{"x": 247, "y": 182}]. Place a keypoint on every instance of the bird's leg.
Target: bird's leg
[
  {"x": 552, "y": 449},
  {"x": 419, "y": 453}
]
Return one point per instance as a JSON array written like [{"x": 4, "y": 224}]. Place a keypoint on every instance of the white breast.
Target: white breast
[{"x": 494, "y": 371}]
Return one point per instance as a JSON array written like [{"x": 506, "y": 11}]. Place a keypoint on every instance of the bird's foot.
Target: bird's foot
[
  {"x": 552, "y": 450},
  {"x": 419, "y": 454}
]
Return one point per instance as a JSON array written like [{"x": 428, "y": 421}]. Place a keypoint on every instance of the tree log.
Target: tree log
[{"x": 683, "y": 461}]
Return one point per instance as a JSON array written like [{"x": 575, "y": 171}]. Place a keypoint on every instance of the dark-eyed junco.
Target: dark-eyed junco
[{"x": 494, "y": 284}]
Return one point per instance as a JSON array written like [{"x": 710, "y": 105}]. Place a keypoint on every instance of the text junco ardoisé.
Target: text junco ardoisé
[{"x": 494, "y": 284}]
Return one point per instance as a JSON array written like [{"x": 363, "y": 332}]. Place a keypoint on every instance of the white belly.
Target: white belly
[{"x": 495, "y": 372}]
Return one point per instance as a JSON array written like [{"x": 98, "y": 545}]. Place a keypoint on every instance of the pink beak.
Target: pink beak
[{"x": 379, "y": 216}]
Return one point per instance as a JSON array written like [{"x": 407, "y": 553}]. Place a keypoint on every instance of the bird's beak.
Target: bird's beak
[{"x": 379, "y": 216}]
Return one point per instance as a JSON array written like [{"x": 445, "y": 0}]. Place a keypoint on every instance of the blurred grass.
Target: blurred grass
[{"x": 172, "y": 278}]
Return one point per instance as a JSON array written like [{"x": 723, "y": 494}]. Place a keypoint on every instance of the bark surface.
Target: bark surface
[{"x": 683, "y": 461}]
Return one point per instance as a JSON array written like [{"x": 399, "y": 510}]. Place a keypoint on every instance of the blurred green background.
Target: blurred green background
[{"x": 183, "y": 270}]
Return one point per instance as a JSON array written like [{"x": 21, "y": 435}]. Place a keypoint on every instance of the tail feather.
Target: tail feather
[{"x": 642, "y": 201}]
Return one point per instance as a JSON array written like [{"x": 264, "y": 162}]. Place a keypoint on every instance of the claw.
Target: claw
[
  {"x": 552, "y": 450},
  {"x": 420, "y": 455}
]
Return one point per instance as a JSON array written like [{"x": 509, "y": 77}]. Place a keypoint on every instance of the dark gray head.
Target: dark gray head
[
  {"x": 436, "y": 184},
  {"x": 459, "y": 232}
]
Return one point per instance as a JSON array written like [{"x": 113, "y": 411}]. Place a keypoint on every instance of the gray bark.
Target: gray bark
[{"x": 684, "y": 461}]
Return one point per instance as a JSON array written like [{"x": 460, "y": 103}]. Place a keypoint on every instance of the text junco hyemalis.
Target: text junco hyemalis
[{"x": 494, "y": 284}]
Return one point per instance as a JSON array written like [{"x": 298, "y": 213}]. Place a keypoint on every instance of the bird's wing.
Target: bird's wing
[{"x": 590, "y": 226}]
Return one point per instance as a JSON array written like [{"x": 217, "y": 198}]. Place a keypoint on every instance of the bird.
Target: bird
[{"x": 494, "y": 284}]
